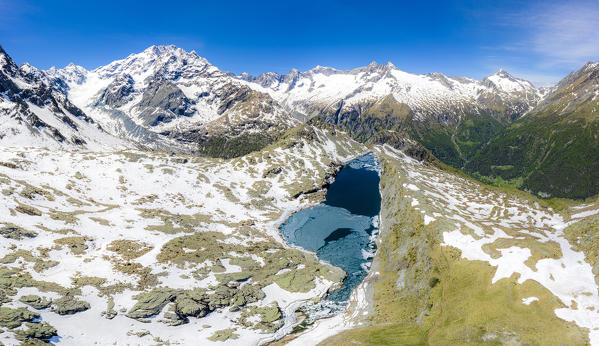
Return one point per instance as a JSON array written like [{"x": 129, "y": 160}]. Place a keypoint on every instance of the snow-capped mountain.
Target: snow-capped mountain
[
  {"x": 35, "y": 115},
  {"x": 451, "y": 116},
  {"x": 165, "y": 92},
  {"x": 428, "y": 95}
]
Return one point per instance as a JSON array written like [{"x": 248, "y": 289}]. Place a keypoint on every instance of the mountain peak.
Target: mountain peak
[
  {"x": 168, "y": 61},
  {"x": 374, "y": 66},
  {"x": 591, "y": 65},
  {"x": 6, "y": 62},
  {"x": 29, "y": 70},
  {"x": 166, "y": 51},
  {"x": 504, "y": 81},
  {"x": 322, "y": 69},
  {"x": 75, "y": 68},
  {"x": 161, "y": 49},
  {"x": 503, "y": 74}
]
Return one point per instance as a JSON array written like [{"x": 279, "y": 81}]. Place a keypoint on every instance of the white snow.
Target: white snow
[
  {"x": 109, "y": 190},
  {"x": 424, "y": 94},
  {"x": 528, "y": 300},
  {"x": 482, "y": 216},
  {"x": 201, "y": 82}
]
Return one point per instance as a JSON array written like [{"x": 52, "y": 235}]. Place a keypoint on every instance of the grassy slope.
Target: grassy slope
[
  {"x": 455, "y": 144},
  {"x": 223, "y": 147},
  {"x": 550, "y": 154},
  {"x": 450, "y": 300}
]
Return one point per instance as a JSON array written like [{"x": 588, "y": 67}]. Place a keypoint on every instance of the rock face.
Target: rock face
[
  {"x": 117, "y": 93},
  {"x": 69, "y": 305},
  {"x": 11, "y": 231},
  {"x": 554, "y": 149},
  {"x": 167, "y": 98},
  {"x": 34, "y": 112},
  {"x": 13, "y": 318},
  {"x": 35, "y": 301},
  {"x": 162, "y": 102}
]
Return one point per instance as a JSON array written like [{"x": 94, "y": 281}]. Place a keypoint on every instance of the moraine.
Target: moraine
[{"x": 342, "y": 229}]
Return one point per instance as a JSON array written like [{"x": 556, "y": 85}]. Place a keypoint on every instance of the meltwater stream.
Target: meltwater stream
[{"x": 342, "y": 229}]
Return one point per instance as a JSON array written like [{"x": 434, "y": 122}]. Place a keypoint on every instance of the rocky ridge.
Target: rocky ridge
[{"x": 35, "y": 114}]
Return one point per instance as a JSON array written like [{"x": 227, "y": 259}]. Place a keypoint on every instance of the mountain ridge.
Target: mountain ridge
[
  {"x": 451, "y": 116},
  {"x": 279, "y": 84},
  {"x": 35, "y": 114}
]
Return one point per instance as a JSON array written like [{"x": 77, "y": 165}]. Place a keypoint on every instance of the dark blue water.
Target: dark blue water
[{"x": 341, "y": 230}]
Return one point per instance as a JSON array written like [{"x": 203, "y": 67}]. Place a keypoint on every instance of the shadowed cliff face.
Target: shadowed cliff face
[
  {"x": 118, "y": 92},
  {"x": 161, "y": 102}
]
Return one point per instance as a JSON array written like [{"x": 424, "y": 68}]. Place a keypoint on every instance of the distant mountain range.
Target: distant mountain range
[
  {"x": 501, "y": 129},
  {"x": 451, "y": 116}
]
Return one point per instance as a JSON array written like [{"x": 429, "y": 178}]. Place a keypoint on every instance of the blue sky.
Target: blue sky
[{"x": 538, "y": 40}]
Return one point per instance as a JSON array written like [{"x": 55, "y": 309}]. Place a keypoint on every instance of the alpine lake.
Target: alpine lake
[{"x": 341, "y": 230}]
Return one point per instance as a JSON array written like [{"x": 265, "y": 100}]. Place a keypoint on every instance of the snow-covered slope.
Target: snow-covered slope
[
  {"x": 34, "y": 115},
  {"x": 427, "y": 95},
  {"x": 167, "y": 91},
  {"x": 138, "y": 247}
]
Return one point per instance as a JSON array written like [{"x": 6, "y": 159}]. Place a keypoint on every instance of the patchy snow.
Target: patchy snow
[
  {"x": 428, "y": 219},
  {"x": 484, "y": 216},
  {"x": 528, "y": 300},
  {"x": 101, "y": 197}
]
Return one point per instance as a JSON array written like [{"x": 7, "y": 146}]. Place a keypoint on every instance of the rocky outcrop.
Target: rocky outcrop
[
  {"x": 118, "y": 92},
  {"x": 69, "y": 305},
  {"x": 162, "y": 102}
]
